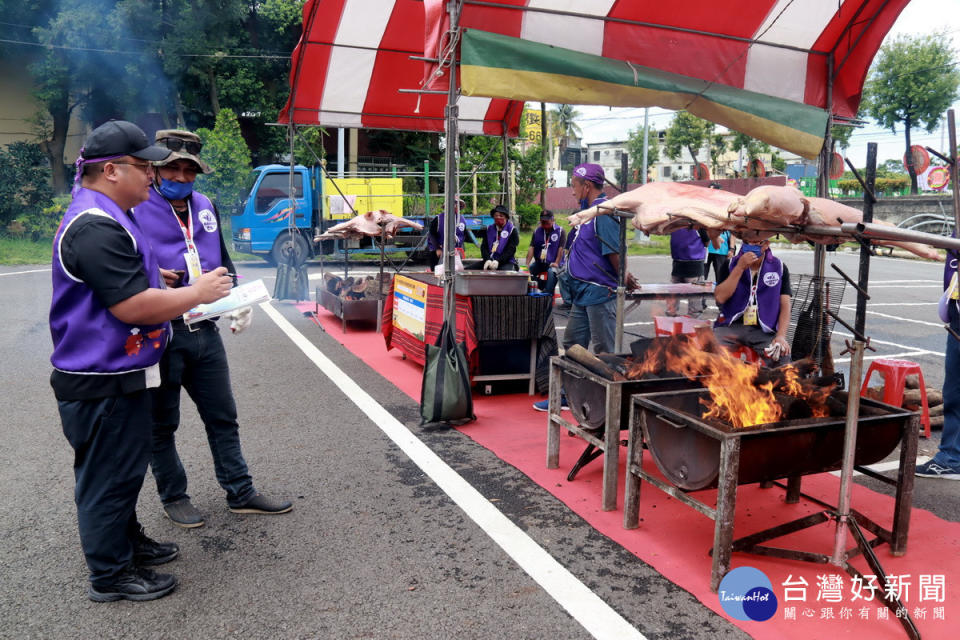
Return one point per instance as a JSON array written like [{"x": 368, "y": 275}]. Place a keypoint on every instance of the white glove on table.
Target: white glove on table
[
  {"x": 239, "y": 319},
  {"x": 494, "y": 264},
  {"x": 486, "y": 265}
]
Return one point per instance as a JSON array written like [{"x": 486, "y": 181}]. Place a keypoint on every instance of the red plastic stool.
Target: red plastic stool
[
  {"x": 895, "y": 374},
  {"x": 677, "y": 325},
  {"x": 745, "y": 353}
]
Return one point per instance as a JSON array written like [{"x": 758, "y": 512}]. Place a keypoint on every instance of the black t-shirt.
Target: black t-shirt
[{"x": 100, "y": 252}]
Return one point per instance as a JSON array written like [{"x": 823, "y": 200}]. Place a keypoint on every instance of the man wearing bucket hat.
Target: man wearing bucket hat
[
  {"x": 184, "y": 228},
  {"x": 435, "y": 235},
  {"x": 109, "y": 318}
]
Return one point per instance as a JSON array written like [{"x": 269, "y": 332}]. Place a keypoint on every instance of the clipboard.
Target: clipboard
[{"x": 244, "y": 295}]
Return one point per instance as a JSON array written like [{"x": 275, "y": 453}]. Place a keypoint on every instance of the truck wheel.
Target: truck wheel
[{"x": 287, "y": 241}]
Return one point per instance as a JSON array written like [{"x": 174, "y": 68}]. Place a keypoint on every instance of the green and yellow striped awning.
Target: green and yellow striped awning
[{"x": 501, "y": 66}]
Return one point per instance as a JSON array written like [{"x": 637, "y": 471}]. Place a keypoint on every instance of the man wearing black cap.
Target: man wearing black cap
[
  {"x": 499, "y": 245},
  {"x": 184, "y": 228},
  {"x": 546, "y": 251},
  {"x": 109, "y": 323}
]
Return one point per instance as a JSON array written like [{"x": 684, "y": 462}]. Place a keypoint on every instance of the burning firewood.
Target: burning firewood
[{"x": 593, "y": 363}]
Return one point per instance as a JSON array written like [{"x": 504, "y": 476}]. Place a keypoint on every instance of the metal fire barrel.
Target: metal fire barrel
[
  {"x": 686, "y": 448},
  {"x": 587, "y": 392}
]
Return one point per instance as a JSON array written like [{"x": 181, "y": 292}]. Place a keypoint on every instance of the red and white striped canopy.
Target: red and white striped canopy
[
  {"x": 352, "y": 61},
  {"x": 354, "y": 55}
]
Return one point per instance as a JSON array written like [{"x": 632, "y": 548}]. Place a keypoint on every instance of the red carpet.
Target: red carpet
[{"x": 675, "y": 539}]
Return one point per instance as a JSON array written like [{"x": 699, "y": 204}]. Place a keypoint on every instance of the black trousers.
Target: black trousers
[{"x": 111, "y": 441}]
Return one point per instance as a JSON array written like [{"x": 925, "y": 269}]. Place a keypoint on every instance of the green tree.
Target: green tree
[
  {"x": 635, "y": 150},
  {"x": 912, "y": 81},
  {"x": 24, "y": 182},
  {"x": 718, "y": 147},
  {"x": 562, "y": 125},
  {"x": 689, "y": 132},
  {"x": 226, "y": 152}
]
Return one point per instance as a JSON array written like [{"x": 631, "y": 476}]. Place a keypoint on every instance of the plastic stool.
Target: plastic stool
[
  {"x": 744, "y": 353},
  {"x": 677, "y": 325},
  {"x": 895, "y": 374}
]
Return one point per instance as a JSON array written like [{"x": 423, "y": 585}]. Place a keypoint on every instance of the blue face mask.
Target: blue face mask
[
  {"x": 753, "y": 248},
  {"x": 175, "y": 190}
]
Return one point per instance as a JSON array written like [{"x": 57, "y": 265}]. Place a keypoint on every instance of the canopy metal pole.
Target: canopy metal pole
[
  {"x": 954, "y": 169},
  {"x": 839, "y": 557},
  {"x": 622, "y": 273},
  {"x": 451, "y": 182}
]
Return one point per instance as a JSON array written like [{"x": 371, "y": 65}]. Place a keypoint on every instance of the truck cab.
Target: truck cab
[{"x": 264, "y": 225}]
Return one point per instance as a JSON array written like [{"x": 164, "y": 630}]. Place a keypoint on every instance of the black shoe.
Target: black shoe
[
  {"x": 183, "y": 514},
  {"x": 134, "y": 583},
  {"x": 260, "y": 503},
  {"x": 147, "y": 552}
]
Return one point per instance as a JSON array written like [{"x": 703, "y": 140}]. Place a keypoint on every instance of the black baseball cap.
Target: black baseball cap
[
  {"x": 546, "y": 215},
  {"x": 500, "y": 209},
  {"x": 121, "y": 138}
]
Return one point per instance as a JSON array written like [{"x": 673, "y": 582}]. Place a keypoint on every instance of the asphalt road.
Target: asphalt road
[{"x": 374, "y": 548}]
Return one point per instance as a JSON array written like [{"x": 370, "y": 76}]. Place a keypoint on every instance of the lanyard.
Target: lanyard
[
  {"x": 753, "y": 289},
  {"x": 186, "y": 229}
]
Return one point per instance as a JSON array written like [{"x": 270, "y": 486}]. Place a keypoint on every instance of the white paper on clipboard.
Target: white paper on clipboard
[{"x": 243, "y": 296}]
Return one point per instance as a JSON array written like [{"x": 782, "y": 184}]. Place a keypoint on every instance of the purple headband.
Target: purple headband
[{"x": 81, "y": 161}]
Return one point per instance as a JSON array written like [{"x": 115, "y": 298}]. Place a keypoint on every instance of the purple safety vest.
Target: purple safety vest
[
  {"x": 552, "y": 241},
  {"x": 685, "y": 244},
  {"x": 769, "y": 282},
  {"x": 501, "y": 236},
  {"x": 949, "y": 268},
  {"x": 437, "y": 242},
  {"x": 87, "y": 338},
  {"x": 168, "y": 235},
  {"x": 586, "y": 259}
]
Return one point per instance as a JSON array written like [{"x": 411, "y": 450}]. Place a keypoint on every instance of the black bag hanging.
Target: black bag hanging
[{"x": 445, "y": 399}]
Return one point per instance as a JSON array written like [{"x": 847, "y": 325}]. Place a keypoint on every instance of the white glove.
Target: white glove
[
  {"x": 240, "y": 319},
  {"x": 494, "y": 265},
  {"x": 773, "y": 350},
  {"x": 486, "y": 265}
]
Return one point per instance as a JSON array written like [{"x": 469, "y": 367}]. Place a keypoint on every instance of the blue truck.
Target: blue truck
[{"x": 263, "y": 226}]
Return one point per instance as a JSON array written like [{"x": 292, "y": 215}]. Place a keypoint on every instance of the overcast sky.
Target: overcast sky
[{"x": 601, "y": 124}]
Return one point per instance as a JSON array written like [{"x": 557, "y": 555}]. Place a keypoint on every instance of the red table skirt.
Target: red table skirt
[{"x": 412, "y": 346}]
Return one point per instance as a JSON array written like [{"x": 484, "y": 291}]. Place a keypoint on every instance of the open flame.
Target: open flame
[{"x": 741, "y": 393}]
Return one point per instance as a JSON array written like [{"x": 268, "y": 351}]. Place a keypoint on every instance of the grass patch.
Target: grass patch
[{"x": 23, "y": 251}]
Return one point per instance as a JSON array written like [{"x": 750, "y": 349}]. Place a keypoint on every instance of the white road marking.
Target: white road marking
[
  {"x": 939, "y": 325},
  {"x": 880, "y": 467},
  {"x": 853, "y": 307},
  {"x": 906, "y": 354},
  {"x": 17, "y": 273},
  {"x": 914, "y": 285},
  {"x": 585, "y": 606}
]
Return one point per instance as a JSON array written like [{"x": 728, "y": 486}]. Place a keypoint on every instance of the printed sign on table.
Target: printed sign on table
[{"x": 410, "y": 306}]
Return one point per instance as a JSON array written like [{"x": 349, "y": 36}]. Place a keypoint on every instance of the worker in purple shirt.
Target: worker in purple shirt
[
  {"x": 754, "y": 300},
  {"x": 592, "y": 272},
  {"x": 498, "y": 247},
  {"x": 546, "y": 252},
  {"x": 109, "y": 320},
  {"x": 184, "y": 227},
  {"x": 946, "y": 463}
]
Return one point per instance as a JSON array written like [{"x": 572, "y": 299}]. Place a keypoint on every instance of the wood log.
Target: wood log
[
  {"x": 936, "y": 422},
  {"x": 912, "y": 381},
  {"x": 912, "y": 397},
  {"x": 936, "y": 411},
  {"x": 581, "y": 356}
]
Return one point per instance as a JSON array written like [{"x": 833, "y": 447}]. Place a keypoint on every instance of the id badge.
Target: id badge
[
  {"x": 192, "y": 259},
  {"x": 750, "y": 316},
  {"x": 543, "y": 254},
  {"x": 954, "y": 290}
]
